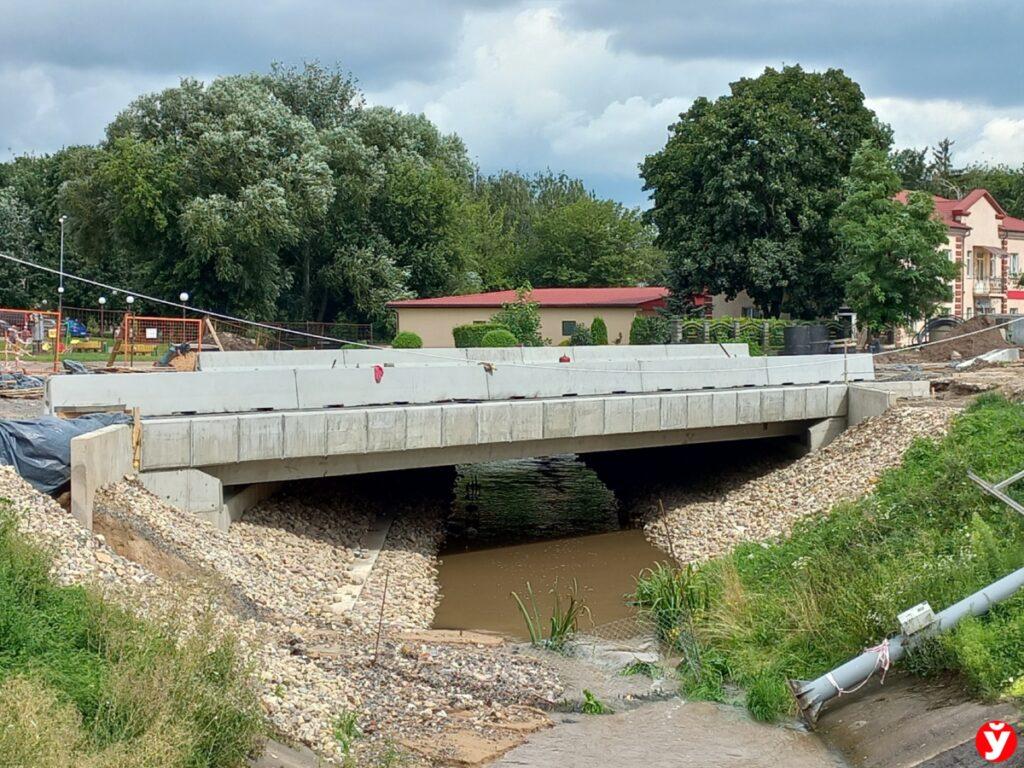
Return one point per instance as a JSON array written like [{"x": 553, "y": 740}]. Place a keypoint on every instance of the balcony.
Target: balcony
[{"x": 989, "y": 286}]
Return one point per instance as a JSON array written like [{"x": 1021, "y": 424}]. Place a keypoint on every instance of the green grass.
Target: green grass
[
  {"x": 593, "y": 705},
  {"x": 85, "y": 683},
  {"x": 643, "y": 668},
  {"x": 563, "y": 622},
  {"x": 796, "y": 608}
]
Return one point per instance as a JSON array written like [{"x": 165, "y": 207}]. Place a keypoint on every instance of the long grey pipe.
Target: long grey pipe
[{"x": 812, "y": 694}]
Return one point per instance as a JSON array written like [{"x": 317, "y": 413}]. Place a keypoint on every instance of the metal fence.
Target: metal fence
[
  {"x": 766, "y": 334},
  {"x": 147, "y": 336},
  {"x": 28, "y": 332}
]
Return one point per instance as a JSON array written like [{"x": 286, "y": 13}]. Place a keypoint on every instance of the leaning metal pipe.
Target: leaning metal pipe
[{"x": 812, "y": 694}]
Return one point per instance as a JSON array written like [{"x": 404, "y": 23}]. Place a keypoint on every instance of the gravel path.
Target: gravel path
[{"x": 768, "y": 501}]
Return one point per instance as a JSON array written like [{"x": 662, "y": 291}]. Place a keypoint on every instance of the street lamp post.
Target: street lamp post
[
  {"x": 103, "y": 324},
  {"x": 183, "y": 297},
  {"x": 129, "y": 300}
]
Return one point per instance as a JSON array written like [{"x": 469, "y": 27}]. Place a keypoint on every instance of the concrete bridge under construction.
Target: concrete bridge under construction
[{"x": 218, "y": 440}]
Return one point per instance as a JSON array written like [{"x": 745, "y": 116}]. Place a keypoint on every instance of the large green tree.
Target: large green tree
[
  {"x": 745, "y": 189},
  {"x": 892, "y": 269}
]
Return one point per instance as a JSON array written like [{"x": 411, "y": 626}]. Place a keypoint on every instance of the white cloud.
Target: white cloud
[
  {"x": 982, "y": 132},
  {"x": 525, "y": 89}
]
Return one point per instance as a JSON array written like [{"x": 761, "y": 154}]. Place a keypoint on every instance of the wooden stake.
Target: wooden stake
[
  {"x": 213, "y": 332},
  {"x": 136, "y": 439}
]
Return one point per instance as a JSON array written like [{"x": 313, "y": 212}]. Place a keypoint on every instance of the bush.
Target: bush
[
  {"x": 407, "y": 340},
  {"x": 85, "y": 682},
  {"x": 648, "y": 329},
  {"x": 522, "y": 318},
  {"x": 581, "y": 336},
  {"x": 472, "y": 334},
  {"x": 499, "y": 338},
  {"x": 599, "y": 332}
]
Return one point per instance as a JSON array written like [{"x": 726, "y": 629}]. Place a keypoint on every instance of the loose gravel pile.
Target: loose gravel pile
[
  {"x": 702, "y": 525},
  {"x": 310, "y": 668}
]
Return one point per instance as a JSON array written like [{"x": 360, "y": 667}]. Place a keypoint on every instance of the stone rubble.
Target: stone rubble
[
  {"x": 759, "y": 503},
  {"x": 310, "y": 665}
]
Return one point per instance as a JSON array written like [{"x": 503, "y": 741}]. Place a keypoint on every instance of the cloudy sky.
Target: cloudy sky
[{"x": 588, "y": 86}]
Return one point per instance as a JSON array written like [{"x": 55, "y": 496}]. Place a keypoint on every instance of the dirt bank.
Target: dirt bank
[{"x": 975, "y": 337}]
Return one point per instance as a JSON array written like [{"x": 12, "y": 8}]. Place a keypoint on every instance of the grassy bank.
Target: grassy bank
[
  {"x": 796, "y": 608},
  {"x": 84, "y": 683}
]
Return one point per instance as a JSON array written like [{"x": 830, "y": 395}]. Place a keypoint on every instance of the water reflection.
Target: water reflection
[{"x": 528, "y": 500}]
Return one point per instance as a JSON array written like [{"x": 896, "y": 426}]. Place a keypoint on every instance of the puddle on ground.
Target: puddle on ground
[{"x": 571, "y": 524}]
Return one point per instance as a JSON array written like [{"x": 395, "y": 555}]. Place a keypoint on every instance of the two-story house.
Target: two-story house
[{"x": 989, "y": 247}]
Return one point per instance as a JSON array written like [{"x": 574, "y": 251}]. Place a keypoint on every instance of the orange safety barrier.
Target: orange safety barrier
[
  {"x": 30, "y": 331},
  {"x": 141, "y": 336}
]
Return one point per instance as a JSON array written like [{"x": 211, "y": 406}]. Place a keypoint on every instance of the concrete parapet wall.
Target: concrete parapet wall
[
  {"x": 97, "y": 459},
  {"x": 282, "y": 389},
  {"x": 872, "y": 398},
  {"x": 338, "y": 358}
]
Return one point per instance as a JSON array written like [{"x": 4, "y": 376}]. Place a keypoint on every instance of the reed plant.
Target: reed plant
[{"x": 563, "y": 622}]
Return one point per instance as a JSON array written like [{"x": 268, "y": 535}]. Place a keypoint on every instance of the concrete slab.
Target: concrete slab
[
  {"x": 385, "y": 429},
  {"x": 214, "y": 440},
  {"x": 527, "y": 420},
  {"x": 97, "y": 458},
  {"x": 724, "y": 408},
  {"x": 699, "y": 410},
  {"x": 495, "y": 422},
  {"x": 261, "y": 437},
  {"x": 673, "y": 412},
  {"x": 459, "y": 425},
  {"x": 646, "y": 413},
  {"x": 346, "y": 431},
  {"x": 618, "y": 415},
  {"x": 166, "y": 444},
  {"x": 305, "y": 434},
  {"x": 558, "y": 418},
  {"x": 588, "y": 417},
  {"x": 423, "y": 428}
]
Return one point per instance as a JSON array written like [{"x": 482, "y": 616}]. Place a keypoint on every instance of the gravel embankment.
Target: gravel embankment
[
  {"x": 310, "y": 667},
  {"x": 701, "y": 525}
]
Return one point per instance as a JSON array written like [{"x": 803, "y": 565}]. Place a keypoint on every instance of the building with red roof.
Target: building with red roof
[
  {"x": 988, "y": 245},
  {"x": 561, "y": 309}
]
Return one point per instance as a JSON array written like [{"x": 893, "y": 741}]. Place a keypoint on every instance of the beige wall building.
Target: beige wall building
[
  {"x": 988, "y": 245},
  {"x": 560, "y": 310}
]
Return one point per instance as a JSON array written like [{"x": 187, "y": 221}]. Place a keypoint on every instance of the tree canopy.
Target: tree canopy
[
  {"x": 745, "y": 189},
  {"x": 890, "y": 264},
  {"x": 281, "y": 195}
]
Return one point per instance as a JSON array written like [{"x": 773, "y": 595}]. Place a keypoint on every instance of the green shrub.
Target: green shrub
[
  {"x": 499, "y": 338},
  {"x": 407, "y": 340},
  {"x": 594, "y": 706},
  {"x": 472, "y": 334},
  {"x": 84, "y": 682},
  {"x": 581, "y": 336},
  {"x": 599, "y": 331},
  {"x": 522, "y": 318},
  {"x": 768, "y": 696},
  {"x": 649, "y": 329}
]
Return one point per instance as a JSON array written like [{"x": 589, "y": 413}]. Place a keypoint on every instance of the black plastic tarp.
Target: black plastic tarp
[{"x": 40, "y": 449}]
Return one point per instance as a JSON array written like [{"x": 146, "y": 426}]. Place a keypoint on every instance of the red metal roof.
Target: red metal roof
[
  {"x": 548, "y": 297},
  {"x": 1012, "y": 224},
  {"x": 949, "y": 210}
]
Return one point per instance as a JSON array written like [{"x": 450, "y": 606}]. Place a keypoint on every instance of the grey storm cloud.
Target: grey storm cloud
[
  {"x": 919, "y": 48},
  {"x": 376, "y": 40}
]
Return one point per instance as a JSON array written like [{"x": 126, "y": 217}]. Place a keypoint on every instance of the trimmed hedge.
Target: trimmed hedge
[
  {"x": 472, "y": 334},
  {"x": 599, "y": 332},
  {"x": 499, "y": 337},
  {"x": 407, "y": 340},
  {"x": 649, "y": 329}
]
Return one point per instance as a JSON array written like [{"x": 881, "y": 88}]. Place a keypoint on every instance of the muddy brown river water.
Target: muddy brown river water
[{"x": 547, "y": 522}]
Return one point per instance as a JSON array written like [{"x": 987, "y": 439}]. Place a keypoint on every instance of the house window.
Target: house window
[
  {"x": 568, "y": 327},
  {"x": 1015, "y": 264},
  {"x": 969, "y": 258},
  {"x": 970, "y": 313},
  {"x": 947, "y": 253}
]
